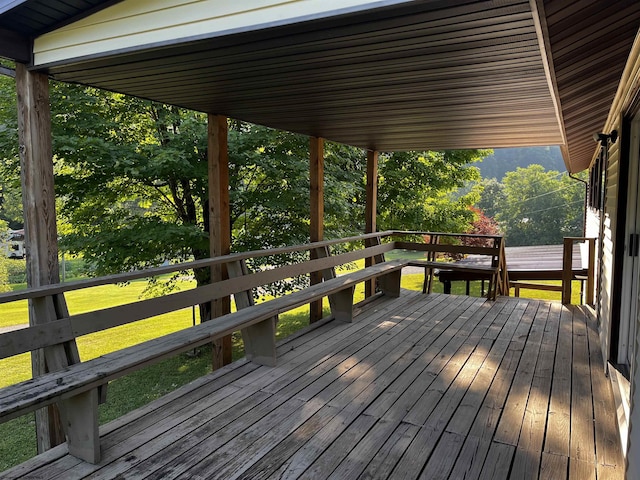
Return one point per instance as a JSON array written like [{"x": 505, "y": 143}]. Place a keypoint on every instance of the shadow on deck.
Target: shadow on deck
[{"x": 424, "y": 386}]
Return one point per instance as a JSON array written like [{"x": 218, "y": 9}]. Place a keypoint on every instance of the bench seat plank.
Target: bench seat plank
[{"x": 27, "y": 396}]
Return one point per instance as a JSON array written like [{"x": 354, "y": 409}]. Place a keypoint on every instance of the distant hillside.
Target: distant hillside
[{"x": 508, "y": 159}]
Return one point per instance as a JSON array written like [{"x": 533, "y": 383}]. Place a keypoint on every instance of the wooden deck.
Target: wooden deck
[{"x": 424, "y": 386}]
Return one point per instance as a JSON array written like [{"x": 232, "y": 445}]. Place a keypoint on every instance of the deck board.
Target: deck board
[{"x": 424, "y": 386}]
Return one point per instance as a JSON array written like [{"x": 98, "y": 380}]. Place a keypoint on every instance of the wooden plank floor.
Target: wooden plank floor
[{"x": 424, "y": 386}]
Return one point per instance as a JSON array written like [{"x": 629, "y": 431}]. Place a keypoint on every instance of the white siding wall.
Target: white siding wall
[
  {"x": 607, "y": 255},
  {"x": 593, "y": 223},
  {"x": 135, "y": 23},
  {"x": 630, "y": 89}
]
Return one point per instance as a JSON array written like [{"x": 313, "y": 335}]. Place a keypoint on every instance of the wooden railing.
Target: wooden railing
[{"x": 77, "y": 387}]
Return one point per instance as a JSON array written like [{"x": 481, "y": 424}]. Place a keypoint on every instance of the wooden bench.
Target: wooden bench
[{"x": 75, "y": 387}]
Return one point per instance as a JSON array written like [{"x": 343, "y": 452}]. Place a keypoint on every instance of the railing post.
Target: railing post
[{"x": 567, "y": 270}]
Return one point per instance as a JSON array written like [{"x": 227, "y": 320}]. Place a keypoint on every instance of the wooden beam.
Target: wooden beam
[
  {"x": 316, "y": 175},
  {"x": 219, "y": 223},
  {"x": 370, "y": 211},
  {"x": 38, "y": 198}
]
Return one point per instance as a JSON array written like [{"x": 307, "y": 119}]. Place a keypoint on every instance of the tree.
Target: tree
[
  {"x": 131, "y": 179},
  {"x": 132, "y": 187},
  {"x": 269, "y": 178},
  {"x": 415, "y": 190},
  {"x": 491, "y": 197},
  {"x": 540, "y": 207},
  {"x": 10, "y": 197},
  {"x": 482, "y": 225}
]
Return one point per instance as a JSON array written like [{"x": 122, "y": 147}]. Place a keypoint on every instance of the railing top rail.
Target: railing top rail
[
  {"x": 208, "y": 262},
  {"x": 156, "y": 271}
]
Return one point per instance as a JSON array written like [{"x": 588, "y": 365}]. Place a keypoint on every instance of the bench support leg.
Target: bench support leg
[
  {"x": 80, "y": 422},
  {"x": 342, "y": 305},
  {"x": 390, "y": 283},
  {"x": 260, "y": 342}
]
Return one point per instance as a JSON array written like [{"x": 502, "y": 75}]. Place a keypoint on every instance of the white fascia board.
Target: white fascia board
[{"x": 138, "y": 24}]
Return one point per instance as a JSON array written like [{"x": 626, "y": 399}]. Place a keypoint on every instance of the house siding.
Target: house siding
[
  {"x": 627, "y": 96},
  {"x": 607, "y": 254}
]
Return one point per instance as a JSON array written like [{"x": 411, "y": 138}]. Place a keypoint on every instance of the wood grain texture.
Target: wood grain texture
[
  {"x": 370, "y": 210},
  {"x": 19, "y": 398},
  {"x": 219, "y": 223},
  {"x": 335, "y": 405},
  {"x": 38, "y": 200},
  {"x": 316, "y": 219}
]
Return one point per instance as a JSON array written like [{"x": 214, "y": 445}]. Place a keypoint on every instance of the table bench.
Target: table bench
[{"x": 495, "y": 271}]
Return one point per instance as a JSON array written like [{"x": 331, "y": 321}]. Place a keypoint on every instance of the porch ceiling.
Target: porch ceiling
[{"x": 406, "y": 75}]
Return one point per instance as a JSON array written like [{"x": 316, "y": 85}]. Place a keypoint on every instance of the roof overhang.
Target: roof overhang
[{"x": 386, "y": 75}]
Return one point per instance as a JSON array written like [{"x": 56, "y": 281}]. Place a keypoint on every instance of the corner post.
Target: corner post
[
  {"x": 370, "y": 212},
  {"x": 38, "y": 199},
  {"x": 219, "y": 223},
  {"x": 316, "y": 176}
]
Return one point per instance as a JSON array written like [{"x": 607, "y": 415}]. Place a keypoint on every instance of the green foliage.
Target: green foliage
[
  {"x": 131, "y": 178},
  {"x": 269, "y": 180},
  {"x": 491, "y": 197},
  {"x": 16, "y": 270},
  {"x": 131, "y": 183},
  {"x": 10, "y": 197},
  {"x": 4, "y": 261},
  {"x": 415, "y": 190},
  {"x": 540, "y": 207}
]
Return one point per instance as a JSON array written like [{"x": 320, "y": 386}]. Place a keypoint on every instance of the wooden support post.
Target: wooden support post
[
  {"x": 38, "y": 199},
  {"x": 80, "y": 417},
  {"x": 338, "y": 305},
  {"x": 370, "y": 212},
  {"x": 390, "y": 283},
  {"x": 429, "y": 274},
  {"x": 567, "y": 270},
  {"x": 219, "y": 223},
  {"x": 316, "y": 175},
  {"x": 259, "y": 339},
  {"x": 342, "y": 305}
]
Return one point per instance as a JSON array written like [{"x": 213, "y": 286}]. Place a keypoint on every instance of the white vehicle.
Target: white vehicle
[{"x": 14, "y": 245}]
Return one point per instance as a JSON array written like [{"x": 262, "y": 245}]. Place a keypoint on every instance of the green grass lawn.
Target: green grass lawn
[{"x": 17, "y": 437}]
